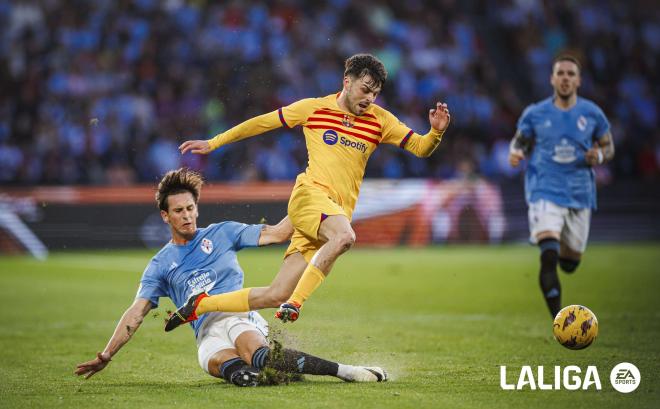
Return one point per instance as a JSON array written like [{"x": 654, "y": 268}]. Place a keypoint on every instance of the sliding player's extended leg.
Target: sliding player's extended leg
[{"x": 246, "y": 299}]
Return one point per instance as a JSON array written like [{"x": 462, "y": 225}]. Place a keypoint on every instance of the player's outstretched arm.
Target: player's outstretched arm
[
  {"x": 424, "y": 145},
  {"x": 602, "y": 151},
  {"x": 128, "y": 324},
  {"x": 251, "y": 127},
  {"x": 279, "y": 233}
]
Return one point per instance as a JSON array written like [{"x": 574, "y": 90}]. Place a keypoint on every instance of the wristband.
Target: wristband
[{"x": 600, "y": 156}]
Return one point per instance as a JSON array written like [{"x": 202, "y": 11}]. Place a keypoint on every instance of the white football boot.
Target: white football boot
[{"x": 350, "y": 373}]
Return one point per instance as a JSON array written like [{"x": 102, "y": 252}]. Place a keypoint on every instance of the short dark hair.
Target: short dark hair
[
  {"x": 178, "y": 181},
  {"x": 360, "y": 65},
  {"x": 567, "y": 57}
]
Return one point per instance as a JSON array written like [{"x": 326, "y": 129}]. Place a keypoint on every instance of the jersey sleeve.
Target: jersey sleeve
[
  {"x": 397, "y": 133},
  {"x": 602, "y": 124},
  {"x": 151, "y": 285},
  {"x": 525, "y": 125},
  {"x": 297, "y": 113},
  {"x": 251, "y": 127},
  {"x": 242, "y": 235}
]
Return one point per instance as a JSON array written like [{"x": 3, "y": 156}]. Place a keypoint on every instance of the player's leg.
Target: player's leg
[
  {"x": 248, "y": 335},
  {"x": 218, "y": 356},
  {"x": 281, "y": 288},
  {"x": 546, "y": 221},
  {"x": 569, "y": 259},
  {"x": 548, "y": 242},
  {"x": 339, "y": 237},
  {"x": 248, "y": 299},
  {"x": 323, "y": 232},
  {"x": 573, "y": 241},
  {"x": 245, "y": 299},
  {"x": 228, "y": 365},
  {"x": 252, "y": 347}
]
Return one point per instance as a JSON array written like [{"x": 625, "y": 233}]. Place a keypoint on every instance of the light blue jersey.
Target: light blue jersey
[
  {"x": 557, "y": 169},
  {"x": 207, "y": 263}
]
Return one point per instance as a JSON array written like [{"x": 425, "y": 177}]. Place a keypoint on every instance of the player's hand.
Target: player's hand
[
  {"x": 196, "y": 146},
  {"x": 515, "y": 156},
  {"x": 439, "y": 117},
  {"x": 594, "y": 156},
  {"x": 97, "y": 364}
]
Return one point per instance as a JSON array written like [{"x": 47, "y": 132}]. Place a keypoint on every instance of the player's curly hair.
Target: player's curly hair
[
  {"x": 360, "y": 65},
  {"x": 178, "y": 181}
]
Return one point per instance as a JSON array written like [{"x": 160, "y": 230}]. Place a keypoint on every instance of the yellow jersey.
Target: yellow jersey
[{"x": 339, "y": 143}]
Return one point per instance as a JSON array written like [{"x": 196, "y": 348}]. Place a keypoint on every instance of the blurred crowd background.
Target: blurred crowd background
[{"x": 102, "y": 92}]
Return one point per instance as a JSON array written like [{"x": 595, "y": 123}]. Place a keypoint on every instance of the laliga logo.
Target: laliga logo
[
  {"x": 624, "y": 377},
  {"x": 569, "y": 378},
  {"x": 330, "y": 137}
]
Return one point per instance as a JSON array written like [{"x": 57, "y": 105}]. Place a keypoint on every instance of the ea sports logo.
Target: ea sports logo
[
  {"x": 330, "y": 137},
  {"x": 625, "y": 377}
]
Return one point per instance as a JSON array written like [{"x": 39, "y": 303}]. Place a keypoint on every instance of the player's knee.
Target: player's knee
[
  {"x": 213, "y": 366},
  {"x": 346, "y": 239},
  {"x": 246, "y": 355},
  {"x": 568, "y": 265}
]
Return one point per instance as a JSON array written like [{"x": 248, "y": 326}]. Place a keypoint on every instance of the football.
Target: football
[{"x": 575, "y": 327}]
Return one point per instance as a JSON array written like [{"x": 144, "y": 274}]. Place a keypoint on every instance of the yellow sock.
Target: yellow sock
[
  {"x": 309, "y": 282},
  {"x": 235, "y": 301}
]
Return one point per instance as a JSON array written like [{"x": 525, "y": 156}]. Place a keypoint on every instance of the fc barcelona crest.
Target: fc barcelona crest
[
  {"x": 347, "y": 121},
  {"x": 207, "y": 246}
]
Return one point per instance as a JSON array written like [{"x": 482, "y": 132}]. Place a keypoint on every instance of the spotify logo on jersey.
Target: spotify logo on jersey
[{"x": 330, "y": 137}]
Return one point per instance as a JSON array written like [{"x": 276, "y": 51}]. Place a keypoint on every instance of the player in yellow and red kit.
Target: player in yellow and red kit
[{"x": 341, "y": 132}]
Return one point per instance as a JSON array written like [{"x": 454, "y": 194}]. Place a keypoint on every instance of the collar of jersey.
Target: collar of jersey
[
  {"x": 187, "y": 244},
  {"x": 552, "y": 102}
]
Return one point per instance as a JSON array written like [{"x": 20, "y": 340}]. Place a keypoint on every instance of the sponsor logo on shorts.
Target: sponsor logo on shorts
[{"x": 330, "y": 137}]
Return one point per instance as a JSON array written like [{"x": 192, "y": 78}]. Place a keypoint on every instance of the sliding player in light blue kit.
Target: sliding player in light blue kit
[
  {"x": 230, "y": 345},
  {"x": 564, "y": 136}
]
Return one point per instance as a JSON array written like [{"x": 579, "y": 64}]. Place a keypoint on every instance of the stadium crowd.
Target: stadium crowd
[{"x": 103, "y": 92}]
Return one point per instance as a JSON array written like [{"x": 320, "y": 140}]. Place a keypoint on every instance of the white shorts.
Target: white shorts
[
  {"x": 220, "y": 330},
  {"x": 571, "y": 224}
]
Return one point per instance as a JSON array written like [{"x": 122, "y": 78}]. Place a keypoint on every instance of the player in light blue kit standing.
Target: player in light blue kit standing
[
  {"x": 230, "y": 345},
  {"x": 564, "y": 136}
]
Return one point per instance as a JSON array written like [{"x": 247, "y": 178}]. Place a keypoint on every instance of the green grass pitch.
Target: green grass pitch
[{"x": 441, "y": 320}]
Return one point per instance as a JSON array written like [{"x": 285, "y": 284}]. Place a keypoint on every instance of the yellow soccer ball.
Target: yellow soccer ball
[{"x": 575, "y": 327}]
